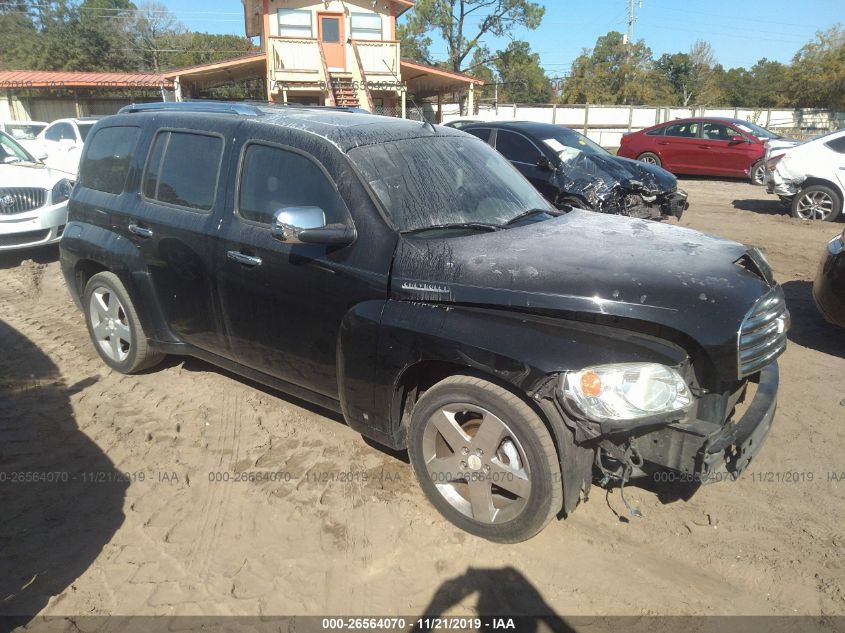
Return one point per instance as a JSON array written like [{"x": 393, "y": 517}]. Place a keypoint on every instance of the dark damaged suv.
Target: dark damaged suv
[{"x": 409, "y": 277}]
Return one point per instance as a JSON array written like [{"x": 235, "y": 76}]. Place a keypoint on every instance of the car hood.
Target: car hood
[
  {"x": 585, "y": 266},
  {"x": 34, "y": 175},
  {"x": 632, "y": 175}
]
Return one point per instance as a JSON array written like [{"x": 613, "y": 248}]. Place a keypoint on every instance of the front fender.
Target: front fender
[{"x": 512, "y": 347}]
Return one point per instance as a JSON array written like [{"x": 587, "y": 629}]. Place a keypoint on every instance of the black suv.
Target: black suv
[
  {"x": 571, "y": 170},
  {"x": 407, "y": 276}
]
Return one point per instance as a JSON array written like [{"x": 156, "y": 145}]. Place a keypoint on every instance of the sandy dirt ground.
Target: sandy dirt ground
[{"x": 159, "y": 516}]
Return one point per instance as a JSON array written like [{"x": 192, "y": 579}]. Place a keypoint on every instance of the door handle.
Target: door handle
[
  {"x": 703, "y": 147},
  {"x": 246, "y": 260},
  {"x": 140, "y": 231}
]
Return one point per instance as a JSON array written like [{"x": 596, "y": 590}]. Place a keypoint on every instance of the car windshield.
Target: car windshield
[
  {"x": 568, "y": 143},
  {"x": 11, "y": 151},
  {"x": 755, "y": 130},
  {"x": 23, "y": 131},
  {"x": 437, "y": 181},
  {"x": 84, "y": 128}
]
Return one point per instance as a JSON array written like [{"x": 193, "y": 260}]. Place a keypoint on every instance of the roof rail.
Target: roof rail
[{"x": 207, "y": 107}]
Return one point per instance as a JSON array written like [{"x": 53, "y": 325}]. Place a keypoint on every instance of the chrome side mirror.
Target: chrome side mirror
[{"x": 289, "y": 222}]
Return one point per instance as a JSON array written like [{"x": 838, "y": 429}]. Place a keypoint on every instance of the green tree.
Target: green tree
[
  {"x": 614, "y": 73},
  {"x": 677, "y": 68},
  {"x": 817, "y": 75},
  {"x": 413, "y": 45},
  {"x": 523, "y": 79},
  {"x": 463, "y": 23}
]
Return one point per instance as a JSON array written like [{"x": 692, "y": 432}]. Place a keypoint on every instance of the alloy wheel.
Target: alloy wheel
[
  {"x": 758, "y": 176},
  {"x": 814, "y": 205},
  {"x": 477, "y": 463},
  {"x": 109, "y": 324},
  {"x": 648, "y": 160}
]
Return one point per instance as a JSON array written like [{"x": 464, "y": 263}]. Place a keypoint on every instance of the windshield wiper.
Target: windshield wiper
[
  {"x": 528, "y": 214},
  {"x": 481, "y": 226}
]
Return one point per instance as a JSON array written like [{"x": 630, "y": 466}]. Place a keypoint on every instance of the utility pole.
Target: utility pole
[{"x": 629, "y": 35}]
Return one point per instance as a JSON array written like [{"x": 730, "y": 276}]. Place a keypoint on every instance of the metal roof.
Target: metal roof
[{"x": 21, "y": 79}]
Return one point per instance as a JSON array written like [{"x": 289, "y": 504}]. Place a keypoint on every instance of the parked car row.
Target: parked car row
[{"x": 410, "y": 278}]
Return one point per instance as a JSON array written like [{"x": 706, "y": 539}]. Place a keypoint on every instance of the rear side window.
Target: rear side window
[
  {"x": 683, "y": 130},
  {"x": 482, "y": 133},
  {"x": 273, "y": 178},
  {"x": 837, "y": 144},
  {"x": 183, "y": 169},
  {"x": 107, "y": 160},
  {"x": 517, "y": 148}
]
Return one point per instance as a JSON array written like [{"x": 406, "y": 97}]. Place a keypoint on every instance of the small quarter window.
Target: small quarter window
[
  {"x": 273, "y": 178},
  {"x": 183, "y": 169},
  {"x": 107, "y": 159}
]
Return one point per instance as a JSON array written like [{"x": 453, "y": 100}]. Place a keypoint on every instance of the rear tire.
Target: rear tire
[
  {"x": 114, "y": 326},
  {"x": 485, "y": 459},
  {"x": 817, "y": 202},
  {"x": 650, "y": 159}
]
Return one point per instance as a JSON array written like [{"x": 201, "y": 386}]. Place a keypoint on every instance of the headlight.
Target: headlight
[
  {"x": 626, "y": 391},
  {"x": 61, "y": 191}
]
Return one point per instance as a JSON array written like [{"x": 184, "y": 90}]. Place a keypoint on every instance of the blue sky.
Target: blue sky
[{"x": 740, "y": 32}]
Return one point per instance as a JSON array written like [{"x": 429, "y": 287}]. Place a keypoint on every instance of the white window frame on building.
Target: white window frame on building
[
  {"x": 296, "y": 28},
  {"x": 366, "y": 32}
]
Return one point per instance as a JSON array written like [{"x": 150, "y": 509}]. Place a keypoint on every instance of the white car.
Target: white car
[
  {"x": 33, "y": 198},
  {"x": 62, "y": 141},
  {"x": 810, "y": 177},
  {"x": 26, "y": 133}
]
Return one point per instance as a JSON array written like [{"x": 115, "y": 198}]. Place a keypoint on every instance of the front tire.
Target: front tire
[
  {"x": 650, "y": 159},
  {"x": 758, "y": 173},
  {"x": 817, "y": 202},
  {"x": 485, "y": 459},
  {"x": 114, "y": 326}
]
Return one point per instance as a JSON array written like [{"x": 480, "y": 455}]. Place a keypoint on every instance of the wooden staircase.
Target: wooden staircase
[{"x": 345, "y": 95}]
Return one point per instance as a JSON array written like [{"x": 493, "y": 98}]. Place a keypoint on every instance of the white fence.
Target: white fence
[{"x": 607, "y": 124}]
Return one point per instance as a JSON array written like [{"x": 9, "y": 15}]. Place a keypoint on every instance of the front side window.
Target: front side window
[
  {"x": 11, "y": 151},
  {"x": 273, "y": 178},
  {"x": 435, "y": 181},
  {"x": 107, "y": 159},
  {"x": 295, "y": 23},
  {"x": 366, "y": 26},
  {"x": 718, "y": 132},
  {"x": 183, "y": 169},
  {"x": 517, "y": 148},
  {"x": 60, "y": 131},
  {"x": 683, "y": 130}
]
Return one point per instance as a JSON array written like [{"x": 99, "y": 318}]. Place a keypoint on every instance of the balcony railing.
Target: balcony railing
[
  {"x": 298, "y": 61},
  {"x": 379, "y": 59}
]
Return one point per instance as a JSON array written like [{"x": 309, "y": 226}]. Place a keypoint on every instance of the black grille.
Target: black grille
[
  {"x": 762, "y": 337},
  {"x": 20, "y": 199}
]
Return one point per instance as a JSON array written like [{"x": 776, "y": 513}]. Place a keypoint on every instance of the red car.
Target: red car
[{"x": 704, "y": 146}]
